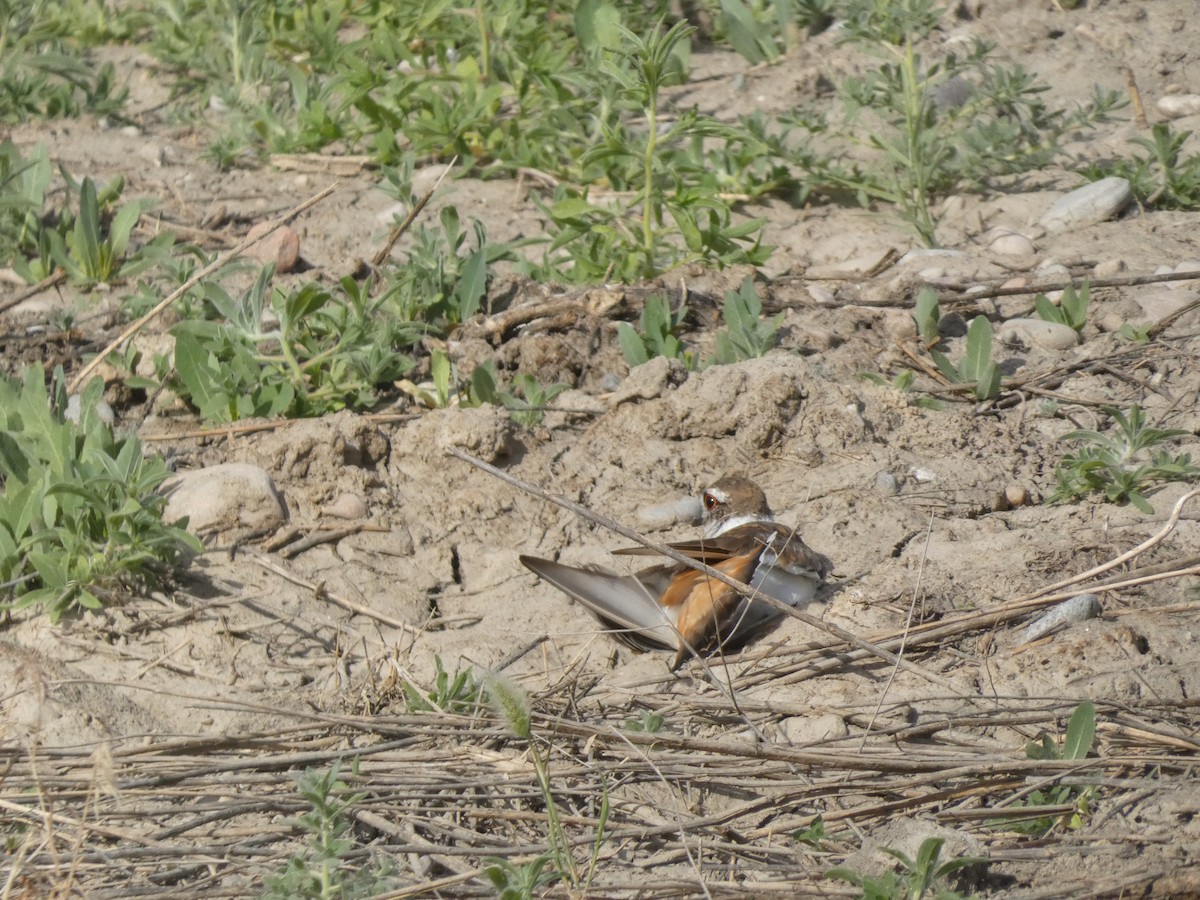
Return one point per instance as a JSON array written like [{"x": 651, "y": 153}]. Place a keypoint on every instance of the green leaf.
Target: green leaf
[
  {"x": 747, "y": 36},
  {"x": 1047, "y": 310},
  {"x": 632, "y": 346},
  {"x": 1081, "y": 731},
  {"x": 598, "y": 26},
  {"x": 926, "y": 315},
  {"x": 472, "y": 285}
]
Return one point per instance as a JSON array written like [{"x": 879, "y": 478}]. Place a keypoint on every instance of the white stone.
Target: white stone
[
  {"x": 659, "y": 516},
  {"x": 822, "y": 296},
  {"x": 1088, "y": 205},
  {"x": 1011, "y": 243},
  {"x": 223, "y": 497},
  {"x": 1038, "y": 333},
  {"x": 1159, "y": 302},
  {"x": 802, "y": 730},
  {"x": 1109, "y": 268},
  {"x": 1176, "y": 106}
]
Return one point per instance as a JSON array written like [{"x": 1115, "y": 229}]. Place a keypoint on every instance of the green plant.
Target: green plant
[
  {"x": 1071, "y": 310},
  {"x": 527, "y": 405},
  {"x": 647, "y": 722},
  {"x": 80, "y": 512},
  {"x": 1076, "y": 744},
  {"x": 447, "y": 388},
  {"x": 1136, "y": 333},
  {"x": 1121, "y": 465},
  {"x": 927, "y": 315},
  {"x": 513, "y": 882},
  {"x": 23, "y": 184},
  {"x": 326, "y": 352},
  {"x": 91, "y": 254},
  {"x": 655, "y": 335},
  {"x": 976, "y": 368},
  {"x": 745, "y": 335},
  {"x": 1163, "y": 178},
  {"x": 457, "y": 693},
  {"x": 512, "y": 706},
  {"x": 813, "y": 835},
  {"x": 920, "y": 877},
  {"x": 44, "y": 72},
  {"x": 607, "y": 241},
  {"x": 324, "y": 870},
  {"x": 931, "y": 129}
]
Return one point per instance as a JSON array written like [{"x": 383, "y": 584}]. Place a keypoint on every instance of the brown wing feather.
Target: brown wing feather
[{"x": 705, "y": 608}]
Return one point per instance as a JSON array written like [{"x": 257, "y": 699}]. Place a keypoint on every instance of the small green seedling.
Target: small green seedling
[
  {"x": 976, "y": 367},
  {"x": 89, "y": 256},
  {"x": 655, "y": 335},
  {"x": 527, "y": 405},
  {"x": 457, "y": 693},
  {"x": 322, "y": 870},
  {"x": 1071, "y": 310},
  {"x": 921, "y": 877},
  {"x": 1123, "y": 465},
  {"x": 1076, "y": 744},
  {"x": 746, "y": 334},
  {"x": 927, "y": 314}
]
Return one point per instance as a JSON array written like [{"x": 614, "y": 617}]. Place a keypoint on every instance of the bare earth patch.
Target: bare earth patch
[{"x": 151, "y": 749}]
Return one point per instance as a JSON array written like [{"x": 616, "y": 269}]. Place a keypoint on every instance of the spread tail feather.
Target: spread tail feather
[{"x": 621, "y": 602}]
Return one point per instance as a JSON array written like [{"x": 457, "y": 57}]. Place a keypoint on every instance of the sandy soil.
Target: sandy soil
[{"x": 115, "y": 716}]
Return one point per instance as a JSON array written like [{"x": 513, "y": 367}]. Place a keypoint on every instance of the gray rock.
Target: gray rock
[
  {"x": 1038, "y": 333},
  {"x": 802, "y": 730},
  {"x": 1160, "y": 302},
  {"x": 224, "y": 497},
  {"x": 103, "y": 410},
  {"x": 1088, "y": 205},
  {"x": 1109, "y": 268},
  {"x": 887, "y": 484},
  {"x": 651, "y": 379},
  {"x": 659, "y": 516},
  {"x": 1077, "y": 609}
]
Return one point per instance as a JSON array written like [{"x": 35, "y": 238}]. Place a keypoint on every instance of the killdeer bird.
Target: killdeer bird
[{"x": 679, "y": 608}]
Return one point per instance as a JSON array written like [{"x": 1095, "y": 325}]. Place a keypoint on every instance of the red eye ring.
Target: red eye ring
[{"x": 710, "y": 502}]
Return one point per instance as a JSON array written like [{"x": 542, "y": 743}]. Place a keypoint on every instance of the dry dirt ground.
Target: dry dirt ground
[{"x": 151, "y": 749}]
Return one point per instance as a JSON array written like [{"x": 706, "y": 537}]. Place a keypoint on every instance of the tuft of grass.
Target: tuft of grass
[
  {"x": 1124, "y": 465},
  {"x": 457, "y": 693},
  {"x": 1162, "y": 177},
  {"x": 745, "y": 334},
  {"x": 324, "y": 871},
  {"x": 80, "y": 512},
  {"x": 1076, "y": 743},
  {"x": 655, "y": 334},
  {"x": 918, "y": 878},
  {"x": 1071, "y": 310},
  {"x": 976, "y": 368}
]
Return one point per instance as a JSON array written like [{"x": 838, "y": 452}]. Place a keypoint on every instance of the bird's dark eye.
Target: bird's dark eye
[{"x": 710, "y": 502}]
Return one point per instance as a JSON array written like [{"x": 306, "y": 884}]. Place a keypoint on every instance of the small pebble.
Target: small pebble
[
  {"x": 822, "y": 296},
  {"x": 346, "y": 506},
  {"x": 1016, "y": 495},
  {"x": 1088, "y": 205},
  {"x": 1176, "y": 106},
  {"x": 281, "y": 247},
  {"x": 1109, "y": 268},
  {"x": 660, "y": 516},
  {"x": 1037, "y": 333},
  {"x": 922, "y": 476},
  {"x": 1077, "y": 609},
  {"x": 887, "y": 484},
  {"x": 1011, "y": 243}
]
